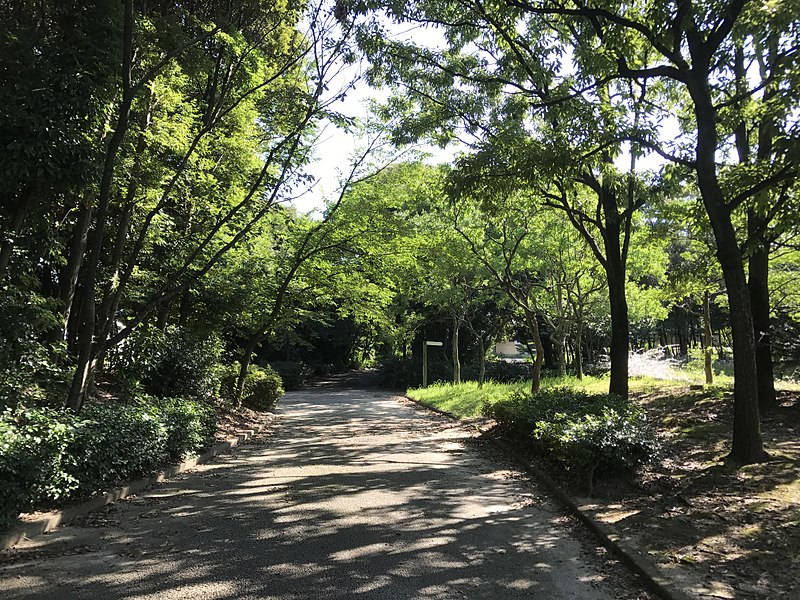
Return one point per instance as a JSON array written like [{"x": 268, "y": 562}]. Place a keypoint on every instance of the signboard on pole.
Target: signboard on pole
[{"x": 425, "y": 360}]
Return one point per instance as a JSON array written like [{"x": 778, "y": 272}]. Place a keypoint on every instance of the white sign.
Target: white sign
[{"x": 433, "y": 343}]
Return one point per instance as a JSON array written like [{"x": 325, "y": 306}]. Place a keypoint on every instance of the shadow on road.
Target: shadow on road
[{"x": 354, "y": 496}]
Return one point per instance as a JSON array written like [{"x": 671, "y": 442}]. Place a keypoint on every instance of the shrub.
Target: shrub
[
  {"x": 32, "y": 458},
  {"x": 179, "y": 362},
  {"x": 294, "y": 374},
  {"x": 499, "y": 371},
  {"x": 31, "y": 371},
  {"x": 611, "y": 440},
  {"x": 190, "y": 426},
  {"x": 47, "y": 455},
  {"x": 115, "y": 442},
  {"x": 228, "y": 376},
  {"x": 395, "y": 372},
  {"x": 262, "y": 389},
  {"x": 579, "y": 429}
]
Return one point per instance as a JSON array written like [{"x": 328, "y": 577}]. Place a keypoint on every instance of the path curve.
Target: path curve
[{"x": 355, "y": 494}]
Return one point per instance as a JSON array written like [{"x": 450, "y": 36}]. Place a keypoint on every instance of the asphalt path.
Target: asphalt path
[{"x": 353, "y": 494}]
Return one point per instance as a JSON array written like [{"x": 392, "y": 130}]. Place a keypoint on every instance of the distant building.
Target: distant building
[{"x": 510, "y": 350}]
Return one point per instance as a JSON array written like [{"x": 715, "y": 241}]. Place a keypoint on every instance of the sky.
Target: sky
[{"x": 335, "y": 146}]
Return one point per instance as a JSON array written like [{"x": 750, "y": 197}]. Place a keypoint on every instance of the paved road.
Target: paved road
[{"x": 355, "y": 494}]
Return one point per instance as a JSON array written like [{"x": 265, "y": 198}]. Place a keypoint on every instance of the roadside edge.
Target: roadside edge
[
  {"x": 29, "y": 529},
  {"x": 629, "y": 556}
]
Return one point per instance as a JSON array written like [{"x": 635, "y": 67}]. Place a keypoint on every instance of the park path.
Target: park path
[{"x": 354, "y": 494}]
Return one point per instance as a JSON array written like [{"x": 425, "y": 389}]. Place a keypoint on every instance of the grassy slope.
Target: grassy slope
[{"x": 465, "y": 400}]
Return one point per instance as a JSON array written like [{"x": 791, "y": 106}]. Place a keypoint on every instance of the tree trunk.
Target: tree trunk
[
  {"x": 69, "y": 275},
  {"x": 758, "y": 268},
  {"x": 579, "y": 348},
  {"x": 708, "y": 346},
  {"x": 560, "y": 352},
  {"x": 456, "y": 358},
  {"x": 758, "y": 286},
  {"x": 114, "y": 288},
  {"x": 87, "y": 345},
  {"x": 536, "y": 371},
  {"x": 482, "y": 363},
  {"x": 747, "y": 446},
  {"x": 619, "y": 333}
]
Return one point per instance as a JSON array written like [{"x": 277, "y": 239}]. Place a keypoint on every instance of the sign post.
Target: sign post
[{"x": 425, "y": 345}]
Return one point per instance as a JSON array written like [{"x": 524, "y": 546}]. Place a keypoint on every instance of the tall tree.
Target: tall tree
[
  {"x": 684, "y": 44},
  {"x": 663, "y": 51},
  {"x": 498, "y": 83}
]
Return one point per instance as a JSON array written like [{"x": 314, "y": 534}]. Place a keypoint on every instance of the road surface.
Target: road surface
[{"x": 354, "y": 494}]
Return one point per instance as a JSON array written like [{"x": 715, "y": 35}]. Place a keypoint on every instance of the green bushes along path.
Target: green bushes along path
[{"x": 49, "y": 455}]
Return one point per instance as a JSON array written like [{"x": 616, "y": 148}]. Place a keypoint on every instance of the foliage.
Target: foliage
[
  {"x": 262, "y": 389},
  {"x": 190, "y": 425},
  {"x": 32, "y": 458},
  {"x": 48, "y": 455},
  {"x": 177, "y": 362},
  {"x": 612, "y": 440},
  {"x": 30, "y": 368},
  {"x": 396, "y": 372},
  {"x": 502, "y": 371},
  {"x": 580, "y": 429},
  {"x": 294, "y": 374}
]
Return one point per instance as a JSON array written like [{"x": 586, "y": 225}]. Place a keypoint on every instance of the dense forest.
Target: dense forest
[{"x": 625, "y": 181}]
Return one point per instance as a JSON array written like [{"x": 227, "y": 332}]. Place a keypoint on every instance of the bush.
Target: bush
[
  {"x": 262, "y": 387},
  {"x": 499, "y": 371},
  {"x": 115, "y": 442},
  {"x": 579, "y": 429},
  {"x": 31, "y": 371},
  {"x": 228, "y": 376},
  {"x": 294, "y": 374},
  {"x": 190, "y": 426},
  {"x": 177, "y": 362},
  {"x": 32, "y": 458},
  {"x": 611, "y": 440},
  {"x": 47, "y": 455},
  {"x": 396, "y": 372}
]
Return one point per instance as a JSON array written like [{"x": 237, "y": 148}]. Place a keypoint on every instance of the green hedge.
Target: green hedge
[
  {"x": 47, "y": 455},
  {"x": 580, "y": 430},
  {"x": 295, "y": 375},
  {"x": 262, "y": 387}
]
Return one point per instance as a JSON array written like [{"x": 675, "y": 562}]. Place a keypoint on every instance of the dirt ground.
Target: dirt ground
[{"x": 715, "y": 531}]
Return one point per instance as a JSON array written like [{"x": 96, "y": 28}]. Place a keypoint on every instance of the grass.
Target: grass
[{"x": 464, "y": 400}]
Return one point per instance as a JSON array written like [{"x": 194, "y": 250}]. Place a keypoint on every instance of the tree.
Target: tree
[
  {"x": 497, "y": 85},
  {"x": 663, "y": 52},
  {"x": 198, "y": 122},
  {"x": 685, "y": 45}
]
